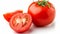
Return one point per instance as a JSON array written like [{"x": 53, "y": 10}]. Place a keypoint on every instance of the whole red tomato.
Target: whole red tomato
[
  {"x": 20, "y": 22},
  {"x": 8, "y": 16},
  {"x": 42, "y": 12}
]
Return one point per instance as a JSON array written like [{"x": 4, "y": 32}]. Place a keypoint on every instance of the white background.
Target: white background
[{"x": 12, "y": 5}]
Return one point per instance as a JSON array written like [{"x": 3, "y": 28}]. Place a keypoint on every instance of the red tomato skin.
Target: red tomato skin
[
  {"x": 21, "y": 29},
  {"x": 8, "y": 16},
  {"x": 41, "y": 16}
]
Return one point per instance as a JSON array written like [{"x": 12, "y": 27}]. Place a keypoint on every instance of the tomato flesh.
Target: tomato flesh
[{"x": 20, "y": 22}]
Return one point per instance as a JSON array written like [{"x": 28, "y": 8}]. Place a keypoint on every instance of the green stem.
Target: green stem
[{"x": 43, "y": 3}]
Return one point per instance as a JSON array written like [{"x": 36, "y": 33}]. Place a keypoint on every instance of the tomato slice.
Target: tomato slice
[
  {"x": 20, "y": 22},
  {"x": 8, "y": 16}
]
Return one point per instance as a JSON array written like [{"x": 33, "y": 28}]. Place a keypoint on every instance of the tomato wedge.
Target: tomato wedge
[
  {"x": 8, "y": 16},
  {"x": 20, "y": 22}
]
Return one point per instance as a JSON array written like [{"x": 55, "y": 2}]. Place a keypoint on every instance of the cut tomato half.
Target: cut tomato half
[{"x": 20, "y": 22}]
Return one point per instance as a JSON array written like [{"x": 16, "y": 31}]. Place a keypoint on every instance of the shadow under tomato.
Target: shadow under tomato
[{"x": 46, "y": 28}]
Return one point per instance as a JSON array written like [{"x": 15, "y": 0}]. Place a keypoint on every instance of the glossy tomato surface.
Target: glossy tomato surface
[
  {"x": 8, "y": 16},
  {"x": 41, "y": 15},
  {"x": 20, "y": 22}
]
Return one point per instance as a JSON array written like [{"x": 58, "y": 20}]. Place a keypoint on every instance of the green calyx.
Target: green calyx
[{"x": 43, "y": 3}]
